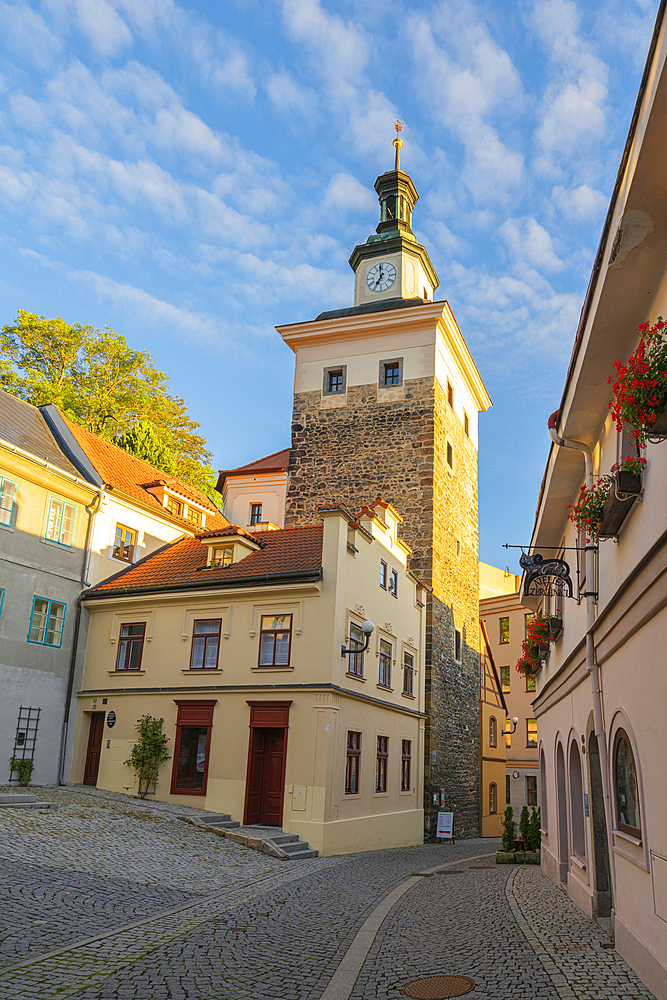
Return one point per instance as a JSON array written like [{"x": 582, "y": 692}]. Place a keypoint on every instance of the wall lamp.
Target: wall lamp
[
  {"x": 515, "y": 723},
  {"x": 367, "y": 628}
]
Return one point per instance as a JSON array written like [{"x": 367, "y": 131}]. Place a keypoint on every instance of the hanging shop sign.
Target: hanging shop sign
[{"x": 546, "y": 577}]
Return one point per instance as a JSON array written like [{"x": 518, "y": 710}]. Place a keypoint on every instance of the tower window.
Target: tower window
[
  {"x": 457, "y": 645},
  {"x": 334, "y": 380},
  {"x": 466, "y": 424},
  {"x": 450, "y": 393},
  {"x": 391, "y": 372},
  {"x": 255, "y": 513},
  {"x": 450, "y": 456}
]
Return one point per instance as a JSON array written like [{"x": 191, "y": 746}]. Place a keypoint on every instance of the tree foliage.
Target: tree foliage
[
  {"x": 148, "y": 753},
  {"x": 509, "y": 830},
  {"x": 99, "y": 381},
  {"x": 142, "y": 441}
]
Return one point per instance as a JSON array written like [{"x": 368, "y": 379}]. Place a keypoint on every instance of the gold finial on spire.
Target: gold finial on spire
[{"x": 398, "y": 142}]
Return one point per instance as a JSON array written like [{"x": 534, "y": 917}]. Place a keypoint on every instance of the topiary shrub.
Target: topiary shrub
[
  {"x": 524, "y": 825},
  {"x": 534, "y": 832},
  {"x": 509, "y": 830}
]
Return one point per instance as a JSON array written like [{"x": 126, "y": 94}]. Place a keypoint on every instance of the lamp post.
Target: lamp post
[
  {"x": 515, "y": 723},
  {"x": 367, "y": 628}
]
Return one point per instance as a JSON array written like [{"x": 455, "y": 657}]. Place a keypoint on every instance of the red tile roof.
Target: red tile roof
[
  {"x": 277, "y": 462},
  {"x": 183, "y": 564},
  {"x": 132, "y": 476}
]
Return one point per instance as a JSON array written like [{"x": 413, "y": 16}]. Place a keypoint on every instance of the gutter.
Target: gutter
[
  {"x": 44, "y": 462},
  {"x": 305, "y": 576}
]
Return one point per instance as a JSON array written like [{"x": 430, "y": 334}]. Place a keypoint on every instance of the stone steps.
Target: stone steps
[
  {"x": 23, "y": 800},
  {"x": 267, "y": 839}
]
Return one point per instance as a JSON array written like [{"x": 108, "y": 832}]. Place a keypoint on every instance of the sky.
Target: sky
[{"x": 193, "y": 174}]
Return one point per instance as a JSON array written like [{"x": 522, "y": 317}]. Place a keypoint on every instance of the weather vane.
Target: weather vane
[{"x": 398, "y": 142}]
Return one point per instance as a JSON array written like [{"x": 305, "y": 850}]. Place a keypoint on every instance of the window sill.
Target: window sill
[
  {"x": 404, "y": 694},
  {"x": 352, "y": 795},
  {"x": 265, "y": 670},
  {"x": 380, "y": 795},
  {"x": 578, "y": 862},
  {"x": 6, "y": 527},
  {"x": 357, "y": 677},
  {"x": 406, "y": 791},
  {"x": 384, "y": 687},
  {"x": 47, "y": 645},
  {"x": 201, "y": 670},
  {"x": 122, "y": 562},
  {"x": 124, "y": 673},
  {"x": 188, "y": 791},
  {"x": 57, "y": 545},
  {"x": 628, "y": 837}
]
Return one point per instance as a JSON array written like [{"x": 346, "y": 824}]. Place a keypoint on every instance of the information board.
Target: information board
[{"x": 445, "y": 825}]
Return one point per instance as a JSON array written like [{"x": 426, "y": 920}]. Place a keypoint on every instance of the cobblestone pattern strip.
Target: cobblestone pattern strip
[{"x": 567, "y": 944}]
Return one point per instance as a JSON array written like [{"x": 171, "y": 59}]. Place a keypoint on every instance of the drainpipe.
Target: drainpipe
[
  {"x": 92, "y": 511},
  {"x": 591, "y": 662}
]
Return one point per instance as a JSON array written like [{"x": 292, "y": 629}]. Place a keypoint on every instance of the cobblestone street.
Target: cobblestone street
[{"x": 111, "y": 898}]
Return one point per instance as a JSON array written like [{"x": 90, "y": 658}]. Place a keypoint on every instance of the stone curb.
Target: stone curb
[{"x": 263, "y": 844}]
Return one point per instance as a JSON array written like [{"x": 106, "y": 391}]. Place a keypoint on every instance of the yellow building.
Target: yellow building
[
  {"x": 234, "y": 639},
  {"x": 505, "y": 620},
  {"x": 493, "y": 712}
]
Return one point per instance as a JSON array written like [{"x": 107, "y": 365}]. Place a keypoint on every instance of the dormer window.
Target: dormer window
[
  {"x": 222, "y": 557},
  {"x": 194, "y": 516},
  {"x": 174, "y": 506}
]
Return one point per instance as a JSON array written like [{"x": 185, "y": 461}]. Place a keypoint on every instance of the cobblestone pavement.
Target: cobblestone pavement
[{"x": 250, "y": 927}]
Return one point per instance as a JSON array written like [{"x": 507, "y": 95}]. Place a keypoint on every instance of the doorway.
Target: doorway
[
  {"x": 563, "y": 849},
  {"x": 94, "y": 748},
  {"x": 267, "y": 753}
]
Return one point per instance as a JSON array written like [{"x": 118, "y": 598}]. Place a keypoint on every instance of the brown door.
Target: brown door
[
  {"x": 266, "y": 777},
  {"x": 94, "y": 748}
]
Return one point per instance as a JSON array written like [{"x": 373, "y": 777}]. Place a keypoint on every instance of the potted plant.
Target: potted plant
[
  {"x": 507, "y": 855},
  {"x": 626, "y": 486},
  {"x": 587, "y": 511},
  {"x": 24, "y": 767},
  {"x": 555, "y": 625},
  {"x": 535, "y": 647},
  {"x": 640, "y": 389}
]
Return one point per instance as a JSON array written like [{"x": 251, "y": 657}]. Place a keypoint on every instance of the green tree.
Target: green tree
[
  {"x": 534, "y": 832},
  {"x": 142, "y": 441},
  {"x": 148, "y": 753},
  {"x": 524, "y": 824},
  {"x": 509, "y": 830},
  {"x": 99, "y": 381}
]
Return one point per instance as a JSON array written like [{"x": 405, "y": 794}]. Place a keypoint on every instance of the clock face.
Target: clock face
[{"x": 381, "y": 276}]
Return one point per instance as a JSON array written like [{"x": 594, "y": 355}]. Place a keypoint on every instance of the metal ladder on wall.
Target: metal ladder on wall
[{"x": 25, "y": 738}]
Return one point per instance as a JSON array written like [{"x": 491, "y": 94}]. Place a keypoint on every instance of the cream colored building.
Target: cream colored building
[
  {"x": 602, "y": 694},
  {"x": 504, "y": 618},
  {"x": 254, "y": 495},
  {"x": 234, "y": 639}
]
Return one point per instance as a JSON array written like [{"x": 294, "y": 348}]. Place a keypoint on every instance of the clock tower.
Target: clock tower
[
  {"x": 386, "y": 401},
  {"x": 391, "y": 264}
]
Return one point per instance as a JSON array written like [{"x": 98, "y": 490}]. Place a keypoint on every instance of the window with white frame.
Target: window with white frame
[
  {"x": 61, "y": 522},
  {"x": 7, "y": 501}
]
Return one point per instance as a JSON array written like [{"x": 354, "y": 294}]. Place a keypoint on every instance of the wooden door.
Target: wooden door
[
  {"x": 266, "y": 777},
  {"x": 94, "y": 748}
]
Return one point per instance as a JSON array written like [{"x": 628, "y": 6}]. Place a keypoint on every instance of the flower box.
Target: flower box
[
  {"x": 657, "y": 431},
  {"x": 555, "y": 626},
  {"x": 544, "y": 649},
  {"x": 619, "y": 502}
]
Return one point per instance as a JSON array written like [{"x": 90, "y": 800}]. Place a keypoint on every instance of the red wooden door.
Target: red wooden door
[
  {"x": 94, "y": 748},
  {"x": 266, "y": 777}
]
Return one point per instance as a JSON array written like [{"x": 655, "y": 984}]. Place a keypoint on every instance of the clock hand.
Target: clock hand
[{"x": 380, "y": 277}]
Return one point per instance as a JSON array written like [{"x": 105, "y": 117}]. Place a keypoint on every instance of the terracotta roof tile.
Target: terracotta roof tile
[
  {"x": 132, "y": 476},
  {"x": 183, "y": 564}
]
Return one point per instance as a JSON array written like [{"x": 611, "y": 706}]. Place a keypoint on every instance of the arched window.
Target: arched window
[
  {"x": 543, "y": 790},
  {"x": 625, "y": 783},
  {"x": 493, "y": 797},
  {"x": 577, "y": 803},
  {"x": 493, "y": 730}
]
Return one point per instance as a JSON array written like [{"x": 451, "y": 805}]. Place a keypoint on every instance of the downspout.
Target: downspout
[
  {"x": 591, "y": 661},
  {"x": 92, "y": 511}
]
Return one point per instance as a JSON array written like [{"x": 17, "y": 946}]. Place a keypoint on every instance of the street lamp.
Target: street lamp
[
  {"x": 515, "y": 723},
  {"x": 367, "y": 628}
]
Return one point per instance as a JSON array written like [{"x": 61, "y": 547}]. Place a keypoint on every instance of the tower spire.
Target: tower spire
[{"x": 398, "y": 142}]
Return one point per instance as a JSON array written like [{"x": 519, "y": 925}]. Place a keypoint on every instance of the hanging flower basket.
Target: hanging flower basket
[
  {"x": 626, "y": 487},
  {"x": 640, "y": 389},
  {"x": 535, "y": 647},
  {"x": 555, "y": 626}
]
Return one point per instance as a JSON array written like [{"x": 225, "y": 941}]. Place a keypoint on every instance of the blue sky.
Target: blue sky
[{"x": 192, "y": 175}]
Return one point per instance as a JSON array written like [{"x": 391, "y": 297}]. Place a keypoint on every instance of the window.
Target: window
[
  {"x": 124, "y": 542},
  {"x": 408, "y": 673},
  {"x": 508, "y": 791},
  {"x": 504, "y": 630},
  {"x": 356, "y": 660},
  {"x": 493, "y": 797},
  {"x": 466, "y": 424},
  {"x": 174, "y": 506},
  {"x": 493, "y": 731},
  {"x": 130, "y": 646},
  {"x": 274, "y": 641},
  {"x": 450, "y": 456},
  {"x": 543, "y": 790},
  {"x": 406, "y": 759},
  {"x": 625, "y": 782},
  {"x": 457, "y": 645},
  {"x": 255, "y": 513},
  {"x": 192, "y": 748},
  {"x": 530, "y": 683},
  {"x": 385, "y": 664},
  {"x": 205, "y": 644},
  {"x": 450, "y": 393},
  {"x": 505, "y": 679},
  {"x": 527, "y": 621},
  {"x": 577, "y": 803},
  {"x": 46, "y": 622},
  {"x": 194, "y": 516},
  {"x": 531, "y": 733},
  {"x": 391, "y": 372},
  {"x": 7, "y": 500},
  {"x": 481, "y": 674},
  {"x": 222, "y": 557},
  {"x": 531, "y": 789},
  {"x": 381, "y": 764},
  {"x": 508, "y": 734},
  {"x": 352, "y": 763},
  {"x": 383, "y": 574},
  {"x": 60, "y": 525},
  {"x": 393, "y": 583},
  {"x": 334, "y": 380}
]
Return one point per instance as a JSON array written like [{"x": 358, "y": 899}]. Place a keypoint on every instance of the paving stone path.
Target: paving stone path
[{"x": 174, "y": 913}]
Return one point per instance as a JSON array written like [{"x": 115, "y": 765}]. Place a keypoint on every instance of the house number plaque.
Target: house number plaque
[{"x": 546, "y": 577}]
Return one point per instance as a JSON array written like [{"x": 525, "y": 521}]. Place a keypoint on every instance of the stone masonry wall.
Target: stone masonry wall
[{"x": 350, "y": 454}]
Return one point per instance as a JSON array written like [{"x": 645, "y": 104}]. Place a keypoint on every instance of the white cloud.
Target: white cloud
[
  {"x": 103, "y": 26},
  {"x": 27, "y": 35},
  {"x": 580, "y": 204},
  {"x": 348, "y": 194},
  {"x": 530, "y": 243},
  {"x": 287, "y": 95}
]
